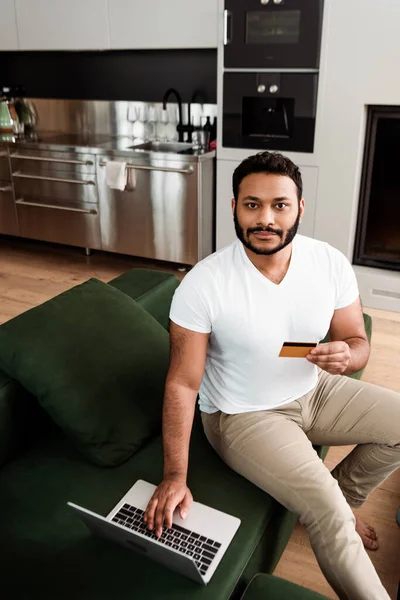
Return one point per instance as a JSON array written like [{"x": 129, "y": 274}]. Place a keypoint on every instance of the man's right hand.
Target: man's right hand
[{"x": 171, "y": 492}]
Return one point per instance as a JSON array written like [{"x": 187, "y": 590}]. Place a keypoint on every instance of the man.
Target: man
[{"x": 262, "y": 413}]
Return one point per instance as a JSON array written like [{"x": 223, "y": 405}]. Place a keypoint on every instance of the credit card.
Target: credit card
[{"x": 296, "y": 349}]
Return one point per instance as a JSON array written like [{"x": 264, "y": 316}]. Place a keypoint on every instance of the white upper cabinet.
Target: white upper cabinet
[
  {"x": 63, "y": 24},
  {"x": 8, "y": 26},
  {"x": 105, "y": 24},
  {"x": 146, "y": 24}
]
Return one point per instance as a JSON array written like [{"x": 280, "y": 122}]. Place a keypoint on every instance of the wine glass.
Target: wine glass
[
  {"x": 172, "y": 133},
  {"x": 152, "y": 123},
  {"x": 138, "y": 126},
  {"x": 162, "y": 125},
  {"x": 131, "y": 116}
]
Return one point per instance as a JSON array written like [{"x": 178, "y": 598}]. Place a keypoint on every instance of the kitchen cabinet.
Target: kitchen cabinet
[
  {"x": 159, "y": 24},
  {"x": 8, "y": 26},
  {"x": 225, "y": 230},
  {"x": 5, "y": 173},
  {"x": 8, "y": 215},
  {"x": 166, "y": 210},
  {"x": 62, "y": 25},
  {"x": 56, "y": 196},
  {"x": 59, "y": 223}
]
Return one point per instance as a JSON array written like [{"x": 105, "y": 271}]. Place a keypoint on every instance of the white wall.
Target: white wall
[{"x": 360, "y": 65}]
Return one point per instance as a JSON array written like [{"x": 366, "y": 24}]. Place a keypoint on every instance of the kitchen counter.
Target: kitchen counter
[
  {"x": 96, "y": 144},
  {"x": 51, "y": 140},
  {"x": 56, "y": 190}
]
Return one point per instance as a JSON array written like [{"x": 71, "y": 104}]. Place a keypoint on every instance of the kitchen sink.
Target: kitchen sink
[{"x": 174, "y": 147}]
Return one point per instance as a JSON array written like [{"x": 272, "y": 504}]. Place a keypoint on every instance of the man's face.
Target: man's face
[{"x": 267, "y": 212}]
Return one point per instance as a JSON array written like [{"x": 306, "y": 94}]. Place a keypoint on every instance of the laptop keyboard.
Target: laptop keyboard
[{"x": 197, "y": 546}]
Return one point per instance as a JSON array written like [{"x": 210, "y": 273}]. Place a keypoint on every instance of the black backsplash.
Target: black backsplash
[{"x": 141, "y": 75}]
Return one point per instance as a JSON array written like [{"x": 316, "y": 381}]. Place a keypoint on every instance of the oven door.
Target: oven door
[
  {"x": 272, "y": 33},
  {"x": 270, "y": 111}
]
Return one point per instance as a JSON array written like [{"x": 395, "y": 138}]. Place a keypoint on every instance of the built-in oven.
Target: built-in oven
[
  {"x": 272, "y": 33},
  {"x": 269, "y": 110}
]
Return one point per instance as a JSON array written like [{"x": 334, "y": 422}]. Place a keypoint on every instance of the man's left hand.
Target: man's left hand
[{"x": 333, "y": 357}]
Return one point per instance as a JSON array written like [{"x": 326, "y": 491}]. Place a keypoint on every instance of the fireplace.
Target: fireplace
[{"x": 377, "y": 242}]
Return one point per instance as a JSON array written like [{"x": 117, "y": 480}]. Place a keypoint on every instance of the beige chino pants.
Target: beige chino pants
[{"x": 273, "y": 449}]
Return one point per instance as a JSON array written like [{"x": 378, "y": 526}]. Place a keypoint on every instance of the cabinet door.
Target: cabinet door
[
  {"x": 161, "y": 24},
  {"x": 225, "y": 228},
  {"x": 8, "y": 26},
  {"x": 59, "y": 222},
  {"x": 62, "y": 24},
  {"x": 156, "y": 216}
]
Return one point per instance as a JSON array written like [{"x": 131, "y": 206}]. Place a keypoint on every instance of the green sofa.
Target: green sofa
[
  {"x": 47, "y": 553},
  {"x": 263, "y": 587}
]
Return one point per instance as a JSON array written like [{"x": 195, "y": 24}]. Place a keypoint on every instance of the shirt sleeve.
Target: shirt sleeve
[
  {"x": 190, "y": 307},
  {"x": 347, "y": 290}
]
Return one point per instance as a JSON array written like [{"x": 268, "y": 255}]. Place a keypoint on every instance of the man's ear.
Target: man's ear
[
  {"x": 233, "y": 203},
  {"x": 301, "y": 209}
]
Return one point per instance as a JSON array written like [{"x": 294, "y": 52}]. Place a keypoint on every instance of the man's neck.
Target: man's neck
[{"x": 272, "y": 263}]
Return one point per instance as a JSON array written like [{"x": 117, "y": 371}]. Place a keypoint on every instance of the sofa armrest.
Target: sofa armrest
[
  {"x": 152, "y": 289},
  {"x": 368, "y": 330}
]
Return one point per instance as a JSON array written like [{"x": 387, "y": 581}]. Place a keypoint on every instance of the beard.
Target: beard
[{"x": 286, "y": 237}]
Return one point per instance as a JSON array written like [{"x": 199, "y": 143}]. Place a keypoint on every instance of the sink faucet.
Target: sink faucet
[{"x": 180, "y": 127}]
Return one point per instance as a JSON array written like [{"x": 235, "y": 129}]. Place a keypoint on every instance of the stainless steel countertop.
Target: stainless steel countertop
[{"x": 96, "y": 144}]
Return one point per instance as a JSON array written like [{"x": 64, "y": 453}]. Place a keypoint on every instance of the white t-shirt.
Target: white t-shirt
[{"x": 249, "y": 317}]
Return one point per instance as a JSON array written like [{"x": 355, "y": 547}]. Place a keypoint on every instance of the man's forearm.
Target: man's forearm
[
  {"x": 359, "y": 354},
  {"x": 178, "y": 413}
]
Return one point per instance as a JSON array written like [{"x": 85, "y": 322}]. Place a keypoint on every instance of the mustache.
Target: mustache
[{"x": 265, "y": 229}]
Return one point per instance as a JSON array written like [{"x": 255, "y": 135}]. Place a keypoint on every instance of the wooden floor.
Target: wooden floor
[{"x": 31, "y": 273}]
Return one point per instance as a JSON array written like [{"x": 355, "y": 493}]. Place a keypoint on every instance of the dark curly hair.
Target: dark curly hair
[{"x": 267, "y": 162}]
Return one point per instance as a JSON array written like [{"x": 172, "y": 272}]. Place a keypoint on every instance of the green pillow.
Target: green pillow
[{"x": 97, "y": 362}]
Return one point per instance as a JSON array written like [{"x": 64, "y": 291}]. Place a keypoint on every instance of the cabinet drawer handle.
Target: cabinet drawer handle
[
  {"x": 67, "y": 208},
  {"x": 187, "y": 171},
  {"x": 54, "y": 160},
  {"x": 59, "y": 179},
  {"x": 7, "y": 188}
]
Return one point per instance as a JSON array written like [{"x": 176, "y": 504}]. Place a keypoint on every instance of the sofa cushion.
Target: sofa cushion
[
  {"x": 38, "y": 528},
  {"x": 97, "y": 363}
]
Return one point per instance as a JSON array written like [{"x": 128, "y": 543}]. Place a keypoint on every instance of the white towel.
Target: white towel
[{"x": 116, "y": 174}]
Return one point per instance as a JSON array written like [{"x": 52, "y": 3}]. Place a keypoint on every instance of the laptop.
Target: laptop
[{"x": 193, "y": 547}]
